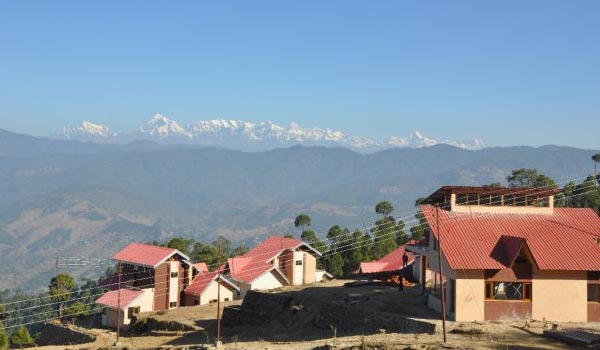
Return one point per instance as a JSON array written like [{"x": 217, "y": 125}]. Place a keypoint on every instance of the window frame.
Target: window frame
[{"x": 527, "y": 291}]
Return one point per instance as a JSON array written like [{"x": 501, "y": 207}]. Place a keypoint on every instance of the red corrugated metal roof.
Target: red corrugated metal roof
[
  {"x": 113, "y": 299},
  {"x": 564, "y": 240},
  {"x": 391, "y": 262},
  {"x": 256, "y": 261},
  {"x": 202, "y": 281},
  {"x": 145, "y": 254}
]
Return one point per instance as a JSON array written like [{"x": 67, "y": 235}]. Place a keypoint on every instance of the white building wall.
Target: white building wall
[{"x": 267, "y": 281}]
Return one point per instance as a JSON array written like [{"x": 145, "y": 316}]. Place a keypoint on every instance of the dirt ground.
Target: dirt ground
[{"x": 303, "y": 334}]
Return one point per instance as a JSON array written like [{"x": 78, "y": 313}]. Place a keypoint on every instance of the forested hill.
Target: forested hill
[{"x": 65, "y": 198}]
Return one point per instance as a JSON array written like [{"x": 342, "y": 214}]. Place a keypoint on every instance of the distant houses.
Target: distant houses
[
  {"x": 157, "y": 278},
  {"x": 274, "y": 263},
  {"x": 508, "y": 253}
]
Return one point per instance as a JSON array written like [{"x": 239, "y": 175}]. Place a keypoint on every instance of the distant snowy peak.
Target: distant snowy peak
[
  {"x": 250, "y": 136},
  {"x": 163, "y": 127},
  {"x": 86, "y": 131}
]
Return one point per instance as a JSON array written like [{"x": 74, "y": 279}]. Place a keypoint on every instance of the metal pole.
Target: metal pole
[
  {"x": 218, "y": 295},
  {"x": 119, "y": 303},
  {"x": 437, "y": 212}
]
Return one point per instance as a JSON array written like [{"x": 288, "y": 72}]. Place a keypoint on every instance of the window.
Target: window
[
  {"x": 508, "y": 291},
  {"x": 298, "y": 262},
  {"x": 461, "y": 199},
  {"x": 485, "y": 199},
  {"x": 212, "y": 301},
  {"x": 226, "y": 299},
  {"x": 173, "y": 304},
  {"x": 593, "y": 292},
  {"x": 496, "y": 200},
  {"x": 174, "y": 274},
  {"x": 283, "y": 264},
  {"x": 134, "y": 310},
  {"x": 196, "y": 302}
]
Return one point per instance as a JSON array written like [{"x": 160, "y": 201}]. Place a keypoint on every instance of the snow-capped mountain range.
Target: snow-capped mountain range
[{"x": 248, "y": 136}]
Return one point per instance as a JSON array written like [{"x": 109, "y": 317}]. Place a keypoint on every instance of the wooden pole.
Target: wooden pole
[
  {"x": 437, "y": 212},
  {"x": 218, "y": 295},
  {"x": 119, "y": 303},
  {"x": 58, "y": 297}
]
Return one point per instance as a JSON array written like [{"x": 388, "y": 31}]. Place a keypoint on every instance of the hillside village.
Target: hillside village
[{"x": 481, "y": 263}]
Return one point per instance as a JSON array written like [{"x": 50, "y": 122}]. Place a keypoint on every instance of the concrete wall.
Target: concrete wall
[
  {"x": 470, "y": 296},
  {"x": 507, "y": 310},
  {"x": 559, "y": 296}
]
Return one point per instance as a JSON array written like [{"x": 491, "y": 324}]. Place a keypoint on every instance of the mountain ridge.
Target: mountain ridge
[
  {"x": 95, "y": 198},
  {"x": 247, "y": 135}
]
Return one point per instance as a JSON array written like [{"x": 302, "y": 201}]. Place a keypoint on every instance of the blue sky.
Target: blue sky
[{"x": 509, "y": 72}]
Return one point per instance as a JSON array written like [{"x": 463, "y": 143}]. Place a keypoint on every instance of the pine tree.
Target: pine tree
[
  {"x": 21, "y": 337},
  {"x": 3, "y": 338}
]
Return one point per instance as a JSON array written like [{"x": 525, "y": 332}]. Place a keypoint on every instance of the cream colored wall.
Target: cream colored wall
[
  {"x": 559, "y": 296},
  {"x": 173, "y": 282},
  {"x": 310, "y": 267},
  {"x": 211, "y": 292},
  {"x": 470, "y": 296},
  {"x": 267, "y": 281},
  {"x": 434, "y": 265},
  {"x": 145, "y": 301},
  {"x": 500, "y": 209},
  {"x": 298, "y": 274}
]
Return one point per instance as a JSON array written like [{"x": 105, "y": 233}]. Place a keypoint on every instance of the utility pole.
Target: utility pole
[
  {"x": 58, "y": 290},
  {"x": 119, "y": 303},
  {"x": 218, "y": 344},
  {"x": 439, "y": 238}
]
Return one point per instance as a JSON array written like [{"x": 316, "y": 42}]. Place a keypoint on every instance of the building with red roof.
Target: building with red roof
[
  {"x": 124, "y": 303},
  {"x": 205, "y": 289},
  {"x": 508, "y": 253},
  {"x": 161, "y": 272},
  {"x": 274, "y": 263},
  {"x": 391, "y": 263}
]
